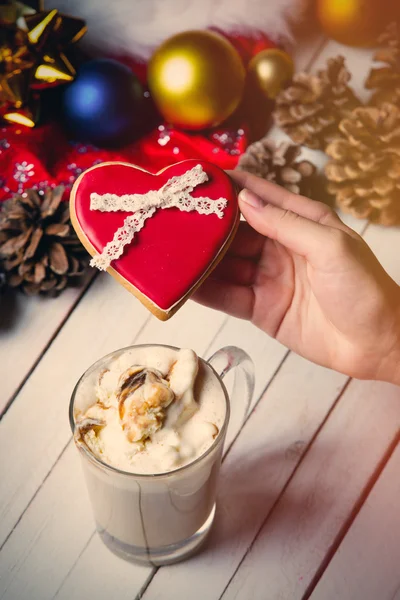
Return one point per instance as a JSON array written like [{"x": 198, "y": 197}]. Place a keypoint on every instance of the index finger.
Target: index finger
[{"x": 281, "y": 197}]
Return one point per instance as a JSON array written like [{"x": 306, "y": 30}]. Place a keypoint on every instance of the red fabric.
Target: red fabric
[
  {"x": 175, "y": 249},
  {"x": 44, "y": 156}
]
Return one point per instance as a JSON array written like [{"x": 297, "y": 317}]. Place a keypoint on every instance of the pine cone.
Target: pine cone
[
  {"x": 278, "y": 164},
  {"x": 386, "y": 80},
  {"x": 38, "y": 246},
  {"x": 364, "y": 173},
  {"x": 311, "y": 107}
]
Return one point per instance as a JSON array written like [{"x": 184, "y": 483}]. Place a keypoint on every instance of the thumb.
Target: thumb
[{"x": 301, "y": 235}]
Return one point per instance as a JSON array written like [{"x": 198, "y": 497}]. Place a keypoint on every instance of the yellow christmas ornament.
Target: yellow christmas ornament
[
  {"x": 196, "y": 79},
  {"x": 355, "y": 22},
  {"x": 271, "y": 69}
]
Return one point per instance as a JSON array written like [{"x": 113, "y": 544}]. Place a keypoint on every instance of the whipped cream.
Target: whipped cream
[{"x": 154, "y": 410}]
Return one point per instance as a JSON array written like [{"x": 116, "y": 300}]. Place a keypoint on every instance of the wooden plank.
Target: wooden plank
[
  {"x": 115, "y": 578},
  {"x": 56, "y": 530},
  {"x": 366, "y": 565},
  {"x": 316, "y": 504},
  {"x": 193, "y": 326},
  {"x": 27, "y": 325}
]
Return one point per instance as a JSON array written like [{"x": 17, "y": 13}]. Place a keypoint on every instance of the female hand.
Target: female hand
[{"x": 297, "y": 272}]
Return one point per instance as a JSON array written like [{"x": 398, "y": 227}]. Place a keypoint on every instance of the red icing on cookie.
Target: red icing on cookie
[{"x": 174, "y": 249}]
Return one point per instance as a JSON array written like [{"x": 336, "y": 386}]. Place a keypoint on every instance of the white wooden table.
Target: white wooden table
[{"x": 309, "y": 493}]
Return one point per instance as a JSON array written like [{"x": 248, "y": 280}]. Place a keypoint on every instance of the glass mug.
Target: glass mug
[{"x": 162, "y": 518}]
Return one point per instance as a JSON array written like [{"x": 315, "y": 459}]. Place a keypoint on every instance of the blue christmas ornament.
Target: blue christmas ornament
[{"x": 102, "y": 104}]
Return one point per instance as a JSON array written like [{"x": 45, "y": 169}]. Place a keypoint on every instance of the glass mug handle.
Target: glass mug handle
[{"x": 223, "y": 361}]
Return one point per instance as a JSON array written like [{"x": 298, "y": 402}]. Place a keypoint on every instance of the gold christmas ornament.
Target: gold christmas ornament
[
  {"x": 271, "y": 69},
  {"x": 355, "y": 22},
  {"x": 196, "y": 79}
]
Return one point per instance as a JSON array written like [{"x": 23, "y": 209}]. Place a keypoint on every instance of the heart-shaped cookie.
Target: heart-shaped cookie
[{"x": 175, "y": 246}]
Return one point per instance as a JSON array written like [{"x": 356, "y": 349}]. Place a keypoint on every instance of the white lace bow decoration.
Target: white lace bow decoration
[{"x": 175, "y": 193}]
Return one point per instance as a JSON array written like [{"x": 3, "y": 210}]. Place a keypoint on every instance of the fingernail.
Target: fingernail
[{"x": 250, "y": 198}]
